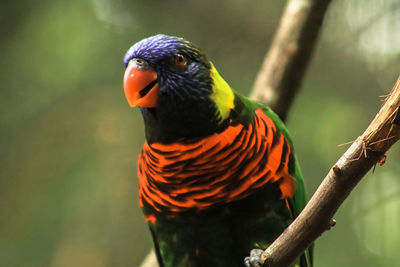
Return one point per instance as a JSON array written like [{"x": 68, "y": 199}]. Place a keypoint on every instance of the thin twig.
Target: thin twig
[
  {"x": 338, "y": 184},
  {"x": 150, "y": 260}
]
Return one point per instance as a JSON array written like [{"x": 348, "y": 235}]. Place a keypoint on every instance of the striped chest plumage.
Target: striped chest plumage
[{"x": 219, "y": 169}]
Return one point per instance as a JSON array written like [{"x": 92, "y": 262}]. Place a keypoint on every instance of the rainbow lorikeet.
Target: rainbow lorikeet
[{"x": 218, "y": 176}]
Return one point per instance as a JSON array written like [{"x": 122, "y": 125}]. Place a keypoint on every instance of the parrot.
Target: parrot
[{"x": 218, "y": 176}]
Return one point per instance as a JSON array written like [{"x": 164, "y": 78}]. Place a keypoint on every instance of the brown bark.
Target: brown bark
[
  {"x": 281, "y": 74},
  {"x": 362, "y": 155}
]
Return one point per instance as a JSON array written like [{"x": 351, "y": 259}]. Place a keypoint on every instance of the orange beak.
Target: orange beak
[{"x": 140, "y": 86}]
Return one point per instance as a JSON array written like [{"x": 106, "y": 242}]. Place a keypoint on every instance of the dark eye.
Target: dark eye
[{"x": 180, "y": 60}]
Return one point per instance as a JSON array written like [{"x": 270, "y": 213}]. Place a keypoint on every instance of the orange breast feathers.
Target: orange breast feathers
[{"x": 221, "y": 168}]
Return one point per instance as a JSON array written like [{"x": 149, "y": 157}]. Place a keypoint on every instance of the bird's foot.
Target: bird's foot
[{"x": 254, "y": 260}]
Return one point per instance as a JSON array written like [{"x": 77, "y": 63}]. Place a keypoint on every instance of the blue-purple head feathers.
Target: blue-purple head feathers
[
  {"x": 184, "y": 106},
  {"x": 192, "y": 79},
  {"x": 157, "y": 47}
]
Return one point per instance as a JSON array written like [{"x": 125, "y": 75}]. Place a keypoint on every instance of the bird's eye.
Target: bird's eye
[{"x": 180, "y": 60}]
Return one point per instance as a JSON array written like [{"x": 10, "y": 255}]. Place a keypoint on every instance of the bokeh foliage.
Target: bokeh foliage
[{"x": 69, "y": 141}]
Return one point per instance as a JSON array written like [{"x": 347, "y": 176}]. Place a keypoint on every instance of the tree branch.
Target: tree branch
[
  {"x": 150, "y": 260},
  {"x": 284, "y": 66},
  {"x": 362, "y": 155}
]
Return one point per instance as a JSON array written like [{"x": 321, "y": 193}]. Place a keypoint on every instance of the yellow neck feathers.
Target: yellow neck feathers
[{"x": 222, "y": 94}]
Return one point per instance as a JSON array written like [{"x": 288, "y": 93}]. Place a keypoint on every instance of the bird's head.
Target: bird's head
[{"x": 179, "y": 91}]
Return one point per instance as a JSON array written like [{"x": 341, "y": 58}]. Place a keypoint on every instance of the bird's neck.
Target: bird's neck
[
  {"x": 179, "y": 125},
  {"x": 181, "y": 119}
]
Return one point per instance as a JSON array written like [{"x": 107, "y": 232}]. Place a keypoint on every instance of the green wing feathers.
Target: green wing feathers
[{"x": 299, "y": 200}]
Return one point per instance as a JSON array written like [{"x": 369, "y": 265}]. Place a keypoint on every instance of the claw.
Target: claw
[{"x": 254, "y": 260}]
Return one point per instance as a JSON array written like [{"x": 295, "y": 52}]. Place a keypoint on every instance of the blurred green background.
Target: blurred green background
[{"x": 69, "y": 141}]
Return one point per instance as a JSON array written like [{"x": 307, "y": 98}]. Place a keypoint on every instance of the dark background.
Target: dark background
[{"x": 69, "y": 141}]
